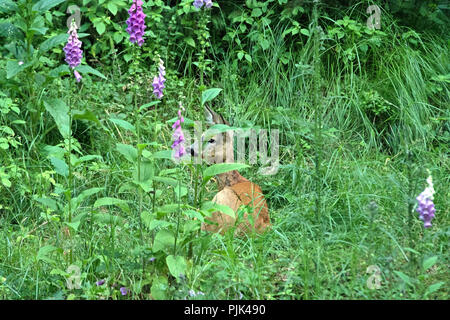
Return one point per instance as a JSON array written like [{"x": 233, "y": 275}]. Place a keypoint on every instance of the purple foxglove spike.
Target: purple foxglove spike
[
  {"x": 178, "y": 136},
  {"x": 198, "y": 3},
  {"x": 425, "y": 206},
  {"x": 136, "y": 23},
  {"x": 73, "y": 47}
]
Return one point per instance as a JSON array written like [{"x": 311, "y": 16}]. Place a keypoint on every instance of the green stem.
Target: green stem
[{"x": 179, "y": 213}]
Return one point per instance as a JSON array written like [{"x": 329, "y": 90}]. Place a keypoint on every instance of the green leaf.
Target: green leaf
[
  {"x": 433, "y": 288},
  {"x": 112, "y": 7},
  {"x": 86, "y": 158},
  {"x": 84, "y": 195},
  {"x": 148, "y": 105},
  {"x": 212, "y": 207},
  {"x": 123, "y": 124},
  {"x": 159, "y": 287},
  {"x": 129, "y": 152},
  {"x": 45, "y": 5},
  {"x": 210, "y": 94},
  {"x": 147, "y": 218},
  {"x": 86, "y": 115},
  {"x": 240, "y": 55},
  {"x": 100, "y": 27},
  {"x": 164, "y": 240},
  {"x": 190, "y": 41},
  {"x": 87, "y": 69},
  {"x": 170, "y": 181},
  {"x": 13, "y": 67},
  {"x": 44, "y": 253},
  {"x": 74, "y": 225},
  {"x": 60, "y": 70},
  {"x": 60, "y": 166},
  {"x": 107, "y": 201},
  {"x": 164, "y": 154},
  {"x": 405, "y": 278},
  {"x": 53, "y": 42},
  {"x": 159, "y": 224},
  {"x": 60, "y": 113},
  {"x": 50, "y": 203},
  {"x": 305, "y": 32},
  {"x": 177, "y": 265},
  {"x": 256, "y": 12},
  {"x": 428, "y": 263},
  {"x": 219, "y": 168},
  {"x": 7, "y": 6},
  {"x": 248, "y": 57},
  {"x": 107, "y": 219}
]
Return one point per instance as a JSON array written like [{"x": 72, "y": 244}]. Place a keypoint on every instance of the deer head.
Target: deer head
[{"x": 216, "y": 145}]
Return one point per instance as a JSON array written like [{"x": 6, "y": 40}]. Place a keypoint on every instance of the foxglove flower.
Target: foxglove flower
[
  {"x": 426, "y": 207},
  {"x": 123, "y": 291},
  {"x": 178, "y": 136},
  {"x": 136, "y": 23},
  {"x": 73, "y": 49},
  {"x": 100, "y": 282},
  {"x": 158, "y": 82},
  {"x": 199, "y": 3}
]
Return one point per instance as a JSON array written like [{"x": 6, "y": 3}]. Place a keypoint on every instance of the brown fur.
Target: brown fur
[{"x": 234, "y": 190}]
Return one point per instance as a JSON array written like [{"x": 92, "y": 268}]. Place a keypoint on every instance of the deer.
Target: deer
[{"x": 234, "y": 190}]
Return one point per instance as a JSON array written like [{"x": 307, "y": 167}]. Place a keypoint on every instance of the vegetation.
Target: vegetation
[{"x": 92, "y": 205}]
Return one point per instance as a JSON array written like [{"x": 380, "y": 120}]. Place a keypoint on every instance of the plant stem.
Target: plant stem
[{"x": 179, "y": 213}]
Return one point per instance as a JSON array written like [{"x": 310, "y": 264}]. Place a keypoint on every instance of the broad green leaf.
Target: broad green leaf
[
  {"x": 89, "y": 157},
  {"x": 170, "y": 181},
  {"x": 45, "y": 5},
  {"x": 164, "y": 154},
  {"x": 107, "y": 201},
  {"x": 147, "y": 218},
  {"x": 107, "y": 219},
  {"x": 212, "y": 207},
  {"x": 45, "y": 252},
  {"x": 305, "y": 32},
  {"x": 53, "y": 42},
  {"x": 87, "y": 69},
  {"x": 190, "y": 41},
  {"x": 159, "y": 287},
  {"x": 13, "y": 67},
  {"x": 100, "y": 27},
  {"x": 210, "y": 94},
  {"x": 405, "y": 278},
  {"x": 7, "y": 6},
  {"x": 60, "y": 70},
  {"x": 434, "y": 287},
  {"x": 129, "y": 152},
  {"x": 177, "y": 265},
  {"x": 428, "y": 263},
  {"x": 112, "y": 7},
  {"x": 123, "y": 124},
  {"x": 159, "y": 224},
  {"x": 60, "y": 166},
  {"x": 219, "y": 168},
  {"x": 148, "y": 105},
  {"x": 164, "y": 240},
  {"x": 84, "y": 195},
  {"x": 86, "y": 115},
  {"x": 8, "y": 30},
  {"x": 60, "y": 113},
  {"x": 74, "y": 225},
  {"x": 50, "y": 203}
]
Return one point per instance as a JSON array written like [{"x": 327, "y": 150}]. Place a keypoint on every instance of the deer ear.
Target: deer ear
[
  {"x": 209, "y": 115},
  {"x": 213, "y": 117}
]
